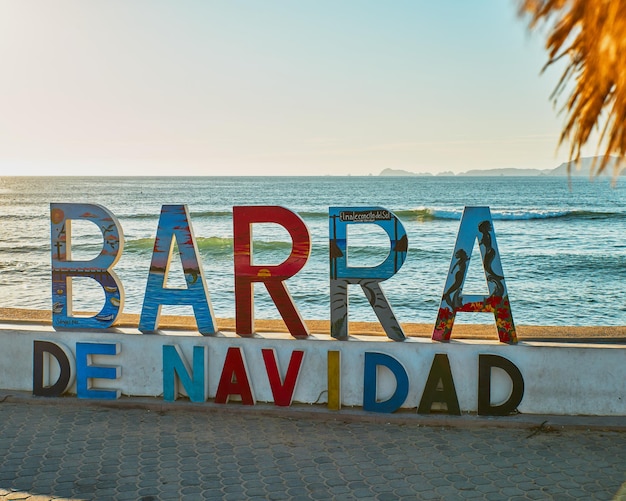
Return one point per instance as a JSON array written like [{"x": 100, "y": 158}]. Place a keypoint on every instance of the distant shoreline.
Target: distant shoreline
[{"x": 566, "y": 169}]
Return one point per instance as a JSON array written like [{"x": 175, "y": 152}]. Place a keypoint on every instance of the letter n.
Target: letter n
[{"x": 176, "y": 370}]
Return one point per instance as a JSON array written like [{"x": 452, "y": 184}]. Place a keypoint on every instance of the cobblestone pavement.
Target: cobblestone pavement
[{"x": 89, "y": 452}]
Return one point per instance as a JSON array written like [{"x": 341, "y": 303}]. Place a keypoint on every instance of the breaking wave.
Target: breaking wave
[
  {"x": 213, "y": 245},
  {"x": 193, "y": 215},
  {"x": 432, "y": 214}
]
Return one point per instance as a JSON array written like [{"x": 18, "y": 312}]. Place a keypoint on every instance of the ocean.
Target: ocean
[{"x": 562, "y": 242}]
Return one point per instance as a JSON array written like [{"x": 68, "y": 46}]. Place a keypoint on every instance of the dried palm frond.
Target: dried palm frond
[{"x": 592, "y": 35}]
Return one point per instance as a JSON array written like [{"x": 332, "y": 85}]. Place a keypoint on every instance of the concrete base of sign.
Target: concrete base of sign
[{"x": 558, "y": 378}]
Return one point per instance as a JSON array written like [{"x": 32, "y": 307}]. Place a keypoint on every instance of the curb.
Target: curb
[{"x": 408, "y": 417}]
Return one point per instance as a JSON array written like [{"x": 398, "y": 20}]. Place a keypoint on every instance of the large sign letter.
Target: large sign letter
[
  {"x": 475, "y": 224},
  {"x": 370, "y": 383},
  {"x": 176, "y": 371},
  {"x": 341, "y": 275},
  {"x": 86, "y": 371},
  {"x": 282, "y": 392},
  {"x": 234, "y": 379},
  {"x": 272, "y": 277},
  {"x": 485, "y": 364},
  {"x": 175, "y": 223},
  {"x": 440, "y": 387},
  {"x": 43, "y": 353},
  {"x": 98, "y": 269}
]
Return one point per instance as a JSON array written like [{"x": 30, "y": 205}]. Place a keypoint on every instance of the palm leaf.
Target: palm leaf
[{"x": 591, "y": 34}]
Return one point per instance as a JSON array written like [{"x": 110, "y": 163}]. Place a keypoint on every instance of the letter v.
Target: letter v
[{"x": 282, "y": 392}]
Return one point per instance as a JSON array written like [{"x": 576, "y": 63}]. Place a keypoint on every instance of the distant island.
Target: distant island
[{"x": 583, "y": 170}]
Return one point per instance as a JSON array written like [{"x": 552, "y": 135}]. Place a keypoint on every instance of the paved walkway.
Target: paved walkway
[{"x": 68, "y": 450}]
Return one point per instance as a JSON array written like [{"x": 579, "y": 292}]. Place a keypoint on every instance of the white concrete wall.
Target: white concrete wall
[{"x": 568, "y": 379}]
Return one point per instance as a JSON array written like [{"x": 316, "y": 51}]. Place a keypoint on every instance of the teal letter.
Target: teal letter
[{"x": 176, "y": 369}]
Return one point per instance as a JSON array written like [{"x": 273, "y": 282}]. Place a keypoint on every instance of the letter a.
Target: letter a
[
  {"x": 476, "y": 223},
  {"x": 175, "y": 223},
  {"x": 234, "y": 379}
]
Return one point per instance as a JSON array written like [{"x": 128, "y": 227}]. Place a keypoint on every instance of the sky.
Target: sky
[{"x": 273, "y": 87}]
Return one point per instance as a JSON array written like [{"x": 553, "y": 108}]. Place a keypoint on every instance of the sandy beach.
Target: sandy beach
[{"x": 461, "y": 331}]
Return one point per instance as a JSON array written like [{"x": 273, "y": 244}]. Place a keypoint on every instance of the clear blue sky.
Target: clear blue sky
[{"x": 202, "y": 87}]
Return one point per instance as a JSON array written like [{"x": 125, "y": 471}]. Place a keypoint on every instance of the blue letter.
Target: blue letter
[
  {"x": 176, "y": 369},
  {"x": 98, "y": 269},
  {"x": 476, "y": 224},
  {"x": 174, "y": 223},
  {"x": 372, "y": 361},
  {"x": 85, "y": 371},
  {"x": 369, "y": 278}
]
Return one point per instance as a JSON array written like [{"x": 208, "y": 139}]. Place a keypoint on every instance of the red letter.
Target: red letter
[
  {"x": 234, "y": 379},
  {"x": 282, "y": 392},
  {"x": 272, "y": 276}
]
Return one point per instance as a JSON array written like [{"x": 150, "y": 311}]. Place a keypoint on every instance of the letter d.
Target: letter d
[
  {"x": 43, "y": 351},
  {"x": 485, "y": 364},
  {"x": 393, "y": 403}
]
